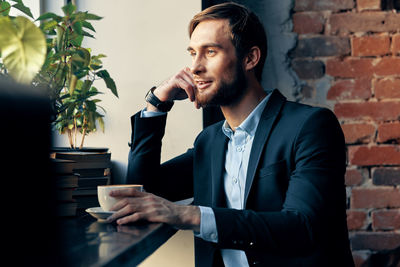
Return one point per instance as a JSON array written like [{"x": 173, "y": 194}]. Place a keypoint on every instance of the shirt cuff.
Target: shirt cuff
[
  {"x": 147, "y": 114},
  {"x": 208, "y": 226}
]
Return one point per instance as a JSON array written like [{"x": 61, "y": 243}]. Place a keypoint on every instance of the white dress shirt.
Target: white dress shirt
[{"x": 236, "y": 163}]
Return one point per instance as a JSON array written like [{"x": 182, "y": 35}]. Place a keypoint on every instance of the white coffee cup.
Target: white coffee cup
[{"x": 103, "y": 194}]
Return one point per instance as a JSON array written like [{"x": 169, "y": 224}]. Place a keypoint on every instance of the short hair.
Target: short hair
[{"x": 247, "y": 30}]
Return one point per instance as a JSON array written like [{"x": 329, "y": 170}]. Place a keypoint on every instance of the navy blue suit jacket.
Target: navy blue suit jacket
[{"x": 295, "y": 199}]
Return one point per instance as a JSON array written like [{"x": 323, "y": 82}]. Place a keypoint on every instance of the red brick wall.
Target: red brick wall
[{"x": 356, "y": 45}]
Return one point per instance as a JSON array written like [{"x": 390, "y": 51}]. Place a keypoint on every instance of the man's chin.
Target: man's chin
[{"x": 204, "y": 100}]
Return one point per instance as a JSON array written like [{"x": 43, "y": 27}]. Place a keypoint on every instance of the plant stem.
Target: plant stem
[
  {"x": 75, "y": 132},
  {"x": 83, "y": 132},
  {"x": 70, "y": 138},
  {"x": 83, "y": 138}
]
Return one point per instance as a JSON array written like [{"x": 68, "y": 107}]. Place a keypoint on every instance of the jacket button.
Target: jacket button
[{"x": 251, "y": 244}]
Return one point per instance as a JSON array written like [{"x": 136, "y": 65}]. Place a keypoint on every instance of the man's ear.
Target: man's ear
[{"x": 252, "y": 58}]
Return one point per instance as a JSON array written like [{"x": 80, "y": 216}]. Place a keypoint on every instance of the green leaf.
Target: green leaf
[
  {"x": 85, "y": 33},
  {"x": 95, "y": 66},
  {"x": 101, "y": 123},
  {"x": 48, "y": 25},
  {"x": 23, "y": 48},
  {"x": 88, "y": 25},
  {"x": 108, "y": 80},
  {"x": 76, "y": 39},
  {"x": 86, "y": 86},
  {"x": 90, "y": 105},
  {"x": 50, "y": 15},
  {"x": 60, "y": 38},
  {"x": 72, "y": 83},
  {"x": 99, "y": 56},
  {"x": 68, "y": 9},
  {"x": 4, "y": 8},
  {"x": 81, "y": 57},
  {"x": 21, "y": 7},
  {"x": 93, "y": 17},
  {"x": 77, "y": 27}
]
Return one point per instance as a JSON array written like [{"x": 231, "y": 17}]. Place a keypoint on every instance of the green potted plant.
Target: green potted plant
[{"x": 51, "y": 56}]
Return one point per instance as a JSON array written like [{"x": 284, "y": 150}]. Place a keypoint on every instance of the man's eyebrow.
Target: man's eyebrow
[{"x": 206, "y": 46}]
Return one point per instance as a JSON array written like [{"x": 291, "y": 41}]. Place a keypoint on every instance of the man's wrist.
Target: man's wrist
[
  {"x": 155, "y": 104},
  {"x": 190, "y": 218}
]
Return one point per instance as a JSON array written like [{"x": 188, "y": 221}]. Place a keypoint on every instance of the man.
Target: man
[{"x": 268, "y": 182}]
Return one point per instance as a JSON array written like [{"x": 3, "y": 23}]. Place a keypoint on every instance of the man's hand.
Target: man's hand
[
  {"x": 178, "y": 87},
  {"x": 135, "y": 205}
]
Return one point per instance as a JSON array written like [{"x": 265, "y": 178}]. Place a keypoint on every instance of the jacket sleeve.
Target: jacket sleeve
[
  {"x": 314, "y": 200},
  {"x": 173, "y": 179}
]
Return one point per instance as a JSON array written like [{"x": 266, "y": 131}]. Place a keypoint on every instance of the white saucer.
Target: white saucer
[{"x": 99, "y": 213}]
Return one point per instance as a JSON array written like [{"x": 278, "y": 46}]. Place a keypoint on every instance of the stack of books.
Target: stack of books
[
  {"x": 91, "y": 169},
  {"x": 66, "y": 183}
]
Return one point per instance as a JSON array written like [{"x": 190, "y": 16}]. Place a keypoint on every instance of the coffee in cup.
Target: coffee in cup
[{"x": 103, "y": 194}]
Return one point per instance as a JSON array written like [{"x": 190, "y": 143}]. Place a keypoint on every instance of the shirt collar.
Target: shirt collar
[{"x": 249, "y": 125}]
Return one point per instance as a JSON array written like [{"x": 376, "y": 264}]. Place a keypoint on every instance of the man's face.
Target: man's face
[{"x": 217, "y": 72}]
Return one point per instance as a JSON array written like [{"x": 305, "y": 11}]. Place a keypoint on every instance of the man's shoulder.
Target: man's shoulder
[
  {"x": 210, "y": 132},
  {"x": 298, "y": 110}
]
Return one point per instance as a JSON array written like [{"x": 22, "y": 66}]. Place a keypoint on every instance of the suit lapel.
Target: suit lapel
[
  {"x": 217, "y": 167},
  {"x": 263, "y": 131}
]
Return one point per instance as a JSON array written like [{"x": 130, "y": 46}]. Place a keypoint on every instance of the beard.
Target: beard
[{"x": 227, "y": 93}]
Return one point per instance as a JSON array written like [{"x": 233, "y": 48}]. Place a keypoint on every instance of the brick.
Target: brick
[
  {"x": 386, "y": 176},
  {"x": 350, "y": 22},
  {"x": 308, "y": 69},
  {"x": 396, "y": 44},
  {"x": 374, "y": 241},
  {"x": 334, "y": 5},
  {"x": 358, "y": 132},
  {"x": 374, "y": 155},
  {"x": 350, "y": 67},
  {"x": 378, "y": 111},
  {"x": 354, "y": 177},
  {"x": 375, "y": 45},
  {"x": 308, "y": 22},
  {"x": 356, "y": 219},
  {"x": 386, "y": 219},
  {"x": 350, "y": 89},
  {"x": 307, "y": 91},
  {"x": 387, "y": 66},
  {"x": 368, "y": 5},
  {"x": 375, "y": 197},
  {"x": 322, "y": 46},
  {"x": 387, "y": 88},
  {"x": 389, "y": 132}
]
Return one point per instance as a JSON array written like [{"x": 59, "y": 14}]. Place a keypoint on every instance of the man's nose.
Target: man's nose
[{"x": 197, "y": 66}]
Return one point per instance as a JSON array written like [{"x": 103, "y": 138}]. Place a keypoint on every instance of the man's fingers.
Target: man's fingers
[
  {"x": 187, "y": 86},
  {"x": 123, "y": 208},
  {"x": 127, "y": 192},
  {"x": 131, "y": 218}
]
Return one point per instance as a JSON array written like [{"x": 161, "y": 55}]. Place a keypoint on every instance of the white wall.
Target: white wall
[{"x": 145, "y": 43}]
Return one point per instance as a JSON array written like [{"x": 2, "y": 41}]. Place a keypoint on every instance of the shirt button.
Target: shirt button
[
  {"x": 239, "y": 149},
  {"x": 213, "y": 236},
  {"x": 235, "y": 180}
]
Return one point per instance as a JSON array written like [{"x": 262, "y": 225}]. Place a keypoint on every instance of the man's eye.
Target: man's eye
[
  {"x": 211, "y": 52},
  {"x": 192, "y": 53}
]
